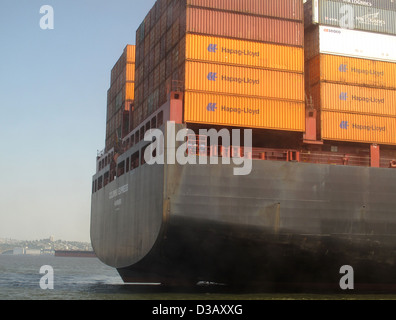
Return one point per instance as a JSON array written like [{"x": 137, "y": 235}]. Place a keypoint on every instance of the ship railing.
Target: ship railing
[
  {"x": 271, "y": 154},
  {"x": 388, "y": 163},
  {"x": 197, "y": 146},
  {"x": 335, "y": 159}
]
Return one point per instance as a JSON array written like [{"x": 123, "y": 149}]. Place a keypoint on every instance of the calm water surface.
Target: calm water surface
[{"x": 89, "y": 279}]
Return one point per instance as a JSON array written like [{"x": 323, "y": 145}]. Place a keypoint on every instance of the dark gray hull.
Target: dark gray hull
[{"x": 287, "y": 224}]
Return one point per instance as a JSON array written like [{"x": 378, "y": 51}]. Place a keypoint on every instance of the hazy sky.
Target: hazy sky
[{"x": 53, "y": 88}]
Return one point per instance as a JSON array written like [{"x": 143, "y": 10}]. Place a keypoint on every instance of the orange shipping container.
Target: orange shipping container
[
  {"x": 130, "y": 52},
  {"x": 244, "y": 112},
  {"x": 129, "y": 91},
  {"x": 355, "y": 99},
  {"x": 358, "y": 128},
  {"x": 352, "y": 71},
  {"x": 206, "y": 77},
  {"x": 128, "y": 56},
  {"x": 130, "y": 72},
  {"x": 244, "y": 53}
]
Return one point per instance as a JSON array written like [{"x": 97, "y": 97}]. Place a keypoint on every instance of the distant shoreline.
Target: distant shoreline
[
  {"x": 43, "y": 246},
  {"x": 75, "y": 253}
]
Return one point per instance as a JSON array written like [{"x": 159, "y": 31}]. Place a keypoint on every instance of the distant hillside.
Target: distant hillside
[{"x": 43, "y": 244}]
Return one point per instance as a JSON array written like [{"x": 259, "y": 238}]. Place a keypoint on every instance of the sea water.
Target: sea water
[{"x": 90, "y": 279}]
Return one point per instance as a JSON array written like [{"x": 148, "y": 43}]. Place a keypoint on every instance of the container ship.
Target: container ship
[{"x": 315, "y": 91}]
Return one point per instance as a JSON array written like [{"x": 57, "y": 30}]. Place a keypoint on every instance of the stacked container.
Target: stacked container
[
  {"x": 120, "y": 96},
  {"x": 239, "y": 62},
  {"x": 351, "y": 72}
]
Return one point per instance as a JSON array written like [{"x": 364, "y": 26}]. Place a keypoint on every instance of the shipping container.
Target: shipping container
[
  {"x": 168, "y": 37},
  {"x": 119, "y": 100},
  {"x": 176, "y": 32},
  {"x": 120, "y": 95},
  {"x": 274, "y": 27},
  {"x": 351, "y": 43},
  {"x": 244, "y": 112},
  {"x": 130, "y": 52},
  {"x": 352, "y": 71},
  {"x": 140, "y": 33},
  {"x": 110, "y": 109},
  {"x": 311, "y": 43},
  {"x": 139, "y": 74},
  {"x": 164, "y": 40},
  {"x": 129, "y": 89},
  {"x": 380, "y": 4},
  {"x": 308, "y": 14},
  {"x": 240, "y": 26},
  {"x": 157, "y": 53},
  {"x": 244, "y": 53},
  {"x": 207, "y": 77},
  {"x": 284, "y": 9},
  {"x": 130, "y": 72},
  {"x": 156, "y": 73},
  {"x": 353, "y": 16},
  {"x": 353, "y": 99},
  {"x": 358, "y": 128},
  {"x": 128, "y": 56}
]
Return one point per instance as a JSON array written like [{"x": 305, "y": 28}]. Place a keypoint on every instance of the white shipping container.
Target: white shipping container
[{"x": 358, "y": 44}]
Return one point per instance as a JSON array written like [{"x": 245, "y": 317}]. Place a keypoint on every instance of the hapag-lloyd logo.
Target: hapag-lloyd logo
[
  {"x": 345, "y": 125},
  {"x": 344, "y": 96},
  {"x": 212, "y": 107},
  {"x": 213, "y": 48},
  {"x": 368, "y": 72},
  {"x": 213, "y": 76},
  {"x": 243, "y": 80}
]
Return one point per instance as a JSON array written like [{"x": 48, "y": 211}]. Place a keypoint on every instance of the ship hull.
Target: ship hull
[{"x": 287, "y": 224}]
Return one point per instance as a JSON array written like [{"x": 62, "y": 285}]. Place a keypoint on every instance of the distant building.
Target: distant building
[
  {"x": 18, "y": 251},
  {"x": 33, "y": 252}
]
